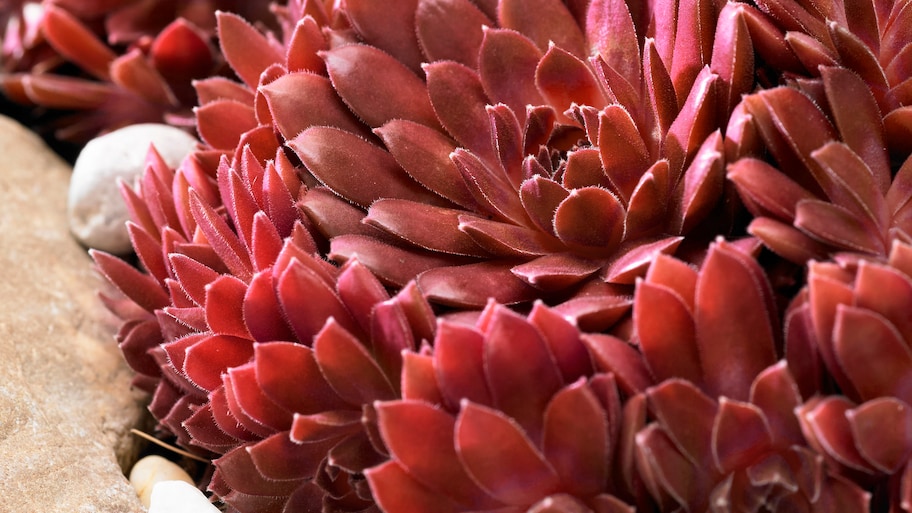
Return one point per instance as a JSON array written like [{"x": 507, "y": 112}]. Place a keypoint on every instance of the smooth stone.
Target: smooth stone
[
  {"x": 152, "y": 470},
  {"x": 97, "y": 211},
  {"x": 66, "y": 407},
  {"x": 179, "y": 497}
]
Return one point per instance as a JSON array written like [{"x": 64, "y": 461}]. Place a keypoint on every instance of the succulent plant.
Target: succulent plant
[{"x": 465, "y": 255}]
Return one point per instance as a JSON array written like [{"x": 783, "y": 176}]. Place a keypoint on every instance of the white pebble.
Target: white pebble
[
  {"x": 149, "y": 471},
  {"x": 179, "y": 497},
  {"x": 97, "y": 212}
]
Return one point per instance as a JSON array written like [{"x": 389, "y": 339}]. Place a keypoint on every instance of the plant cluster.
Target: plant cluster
[{"x": 537, "y": 256}]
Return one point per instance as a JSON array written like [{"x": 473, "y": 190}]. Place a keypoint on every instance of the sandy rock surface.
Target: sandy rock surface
[{"x": 65, "y": 403}]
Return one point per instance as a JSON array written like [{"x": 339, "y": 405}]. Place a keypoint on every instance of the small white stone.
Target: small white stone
[
  {"x": 97, "y": 212},
  {"x": 179, "y": 497},
  {"x": 151, "y": 470}
]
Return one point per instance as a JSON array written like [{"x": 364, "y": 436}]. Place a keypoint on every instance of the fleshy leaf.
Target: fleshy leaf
[
  {"x": 348, "y": 367},
  {"x": 500, "y": 458},
  {"x": 882, "y": 429}
]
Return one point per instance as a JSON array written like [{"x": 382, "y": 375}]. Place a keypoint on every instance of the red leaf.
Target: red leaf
[
  {"x": 221, "y": 123},
  {"x": 888, "y": 292},
  {"x": 611, "y": 354},
  {"x": 522, "y": 392},
  {"x": 507, "y": 240},
  {"x": 872, "y": 354},
  {"x": 612, "y": 33},
  {"x": 75, "y": 42},
  {"x": 427, "y": 226},
  {"x": 766, "y": 190},
  {"x": 563, "y": 339},
  {"x": 451, "y": 30},
  {"x": 424, "y": 153},
  {"x": 211, "y": 356},
  {"x": 665, "y": 325},
  {"x": 564, "y": 80},
  {"x": 348, "y": 366},
  {"x": 540, "y": 198},
  {"x": 490, "y": 187},
  {"x": 308, "y": 392},
  {"x": 735, "y": 322},
  {"x": 826, "y": 426},
  {"x": 472, "y": 285},
  {"x": 576, "y": 440},
  {"x": 459, "y": 100},
  {"x": 396, "y": 491},
  {"x": 696, "y": 120},
  {"x": 222, "y": 238},
  {"x": 245, "y": 389},
  {"x": 142, "y": 289},
  {"x": 377, "y": 87},
  {"x": 392, "y": 264},
  {"x": 496, "y": 453},
  {"x": 298, "y": 101},
  {"x": 459, "y": 362},
  {"x": 308, "y": 302},
  {"x": 590, "y": 217},
  {"x": 389, "y": 27},
  {"x": 882, "y": 430},
  {"x": 543, "y": 21},
  {"x": 279, "y": 458},
  {"x": 623, "y": 152},
  {"x": 507, "y": 64},
  {"x": 837, "y": 226},
  {"x": 740, "y": 435},
  {"x": 330, "y": 154},
  {"x": 687, "y": 415},
  {"x": 776, "y": 394},
  {"x": 247, "y": 51},
  {"x": 225, "y": 306},
  {"x": 556, "y": 272},
  {"x": 412, "y": 430}
]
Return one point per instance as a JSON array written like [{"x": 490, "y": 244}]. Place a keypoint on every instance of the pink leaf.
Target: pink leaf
[
  {"x": 563, "y": 80},
  {"x": 389, "y": 27},
  {"x": 427, "y": 226},
  {"x": 459, "y": 362},
  {"x": 75, "y": 42},
  {"x": 298, "y": 101},
  {"x": 882, "y": 430},
  {"x": 590, "y": 217},
  {"x": 224, "y": 306},
  {"x": 141, "y": 288},
  {"x": 740, "y": 435},
  {"x": 665, "y": 325},
  {"x": 611, "y": 32},
  {"x": 543, "y": 21},
  {"x": 451, "y": 30},
  {"x": 837, "y": 226},
  {"x": 471, "y": 285},
  {"x": 610, "y": 354},
  {"x": 623, "y": 152},
  {"x": 507, "y": 65},
  {"x": 459, "y": 101}
]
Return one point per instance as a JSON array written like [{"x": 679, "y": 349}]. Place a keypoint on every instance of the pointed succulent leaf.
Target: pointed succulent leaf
[
  {"x": 331, "y": 153},
  {"x": 308, "y": 392},
  {"x": 735, "y": 322},
  {"x": 522, "y": 392},
  {"x": 826, "y": 425},
  {"x": 396, "y": 491},
  {"x": 563, "y": 339},
  {"x": 459, "y": 100},
  {"x": 424, "y": 153},
  {"x": 253, "y": 402},
  {"x": 765, "y": 190},
  {"x": 872, "y": 353},
  {"x": 543, "y": 21},
  {"x": 687, "y": 415},
  {"x": 500, "y": 458},
  {"x": 221, "y": 123},
  {"x": 703, "y": 184},
  {"x": 348, "y": 366},
  {"x": 623, "y": 152},
  {"x": 459, "y": 365},
  {"x": 293, "y": 110},
  {"x": 75, "y": 42},
  {"x": 377, "y": 87},
  {"x": 239, "y": 472},
  {"x": 852, "y": 183},
  {"x": 412, "y": 430},
  {"x": 507, "y": 64},
  {"x": 135, "y": 73},
  {"x": 392, "y": 264},
  {"x": 787, "y": 241},
  {"x": 671, "y": 472},
  {"x": 247, "y": 51},
  {"x": 576, "y": 440},
  {"x": 141, "y": 288},
  {"x": 427, "y": 226},
  {"x": 471, "y": 285},
  {"x": 540, "y": 198},
  {"x": 451, "y": 30},
  {"x": 887, "y": 291},
  {"x": 882, "y": 430},
  {"x": 279, "y": 458},
  {"x": 505, "y": 239},
  {"x": 860, "y": 126},
  {"x": 733, "y": 55},
  {"x": 838, "y": 226},
  {"x": 389, "y": 27},
  {"x": 610, "y": 354},
  {"x": 611, "y": 33},
  {"x": 224, "y": 306},
  {"x": 776, "y": 394},
  {"x": 740, "y": 435},
  {"x": 211, "y": 356},
  {"x": 556, "y": 271},
  {"x": 489, "y": 186},
  {"x": 665, "y": 323},
  {"x": 564, "y": 80},
  {"x": 695, "y": 121}
]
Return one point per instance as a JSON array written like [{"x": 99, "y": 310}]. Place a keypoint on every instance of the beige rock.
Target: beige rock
[
  {"x": 152, "y": 470},
  {"x": 65, "y": 403}
]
